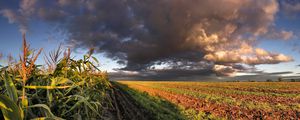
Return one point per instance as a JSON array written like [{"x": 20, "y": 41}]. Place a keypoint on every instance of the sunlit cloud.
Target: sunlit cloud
[{"x": 155, "y": 38}]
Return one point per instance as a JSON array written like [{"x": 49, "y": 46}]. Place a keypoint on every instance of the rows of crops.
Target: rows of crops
[
  {"x": 229, "y": 100},
  {"x": 67, "y": 88},
  {"x": 63, "y": 89}
]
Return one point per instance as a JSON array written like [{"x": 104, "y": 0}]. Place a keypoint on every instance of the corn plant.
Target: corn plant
[{"x": 69, "y": 88}]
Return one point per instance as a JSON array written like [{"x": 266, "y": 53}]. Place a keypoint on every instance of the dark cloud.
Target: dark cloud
[
  {"x": 175, "y": 71},
  {"x": 185, "y": 36},
  {"x": 172, "y": 74}
]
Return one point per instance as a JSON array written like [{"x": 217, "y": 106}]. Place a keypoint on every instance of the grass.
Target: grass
[{"x": 161, "y": 109}]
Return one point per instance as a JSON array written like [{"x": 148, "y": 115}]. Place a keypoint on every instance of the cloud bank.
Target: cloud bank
[{"x": 186, "y": 37}]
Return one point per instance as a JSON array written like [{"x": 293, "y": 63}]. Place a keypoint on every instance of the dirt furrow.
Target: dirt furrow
[
  {"x": 222, "y": 110},
  {"x": 125, "y": 107}
]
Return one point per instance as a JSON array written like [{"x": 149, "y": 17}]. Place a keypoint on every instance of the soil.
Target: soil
[
  {"x": 124, "y": 107},
  {"x": 221, "y": 110}
]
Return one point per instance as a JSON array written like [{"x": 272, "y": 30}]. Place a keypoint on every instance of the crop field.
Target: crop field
[
  {"x": 68, "y": 88},
  {"x": 227, "y": 100},
  {"x": 64, "y": 89}
]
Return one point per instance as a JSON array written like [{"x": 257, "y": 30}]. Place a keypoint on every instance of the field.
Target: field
[
  {"x": 226, "y": 100},
  {"x": 67, "y": 88}
]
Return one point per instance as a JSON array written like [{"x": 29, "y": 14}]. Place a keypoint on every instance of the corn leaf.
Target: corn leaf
[
  {"x": 85, "y": 101},
  {"x": 46, "y": 110},
  {"x": 60, "y": 80},
  {"x": 43, "y": 118},
  {"x": 77, "y": 104},
  {"x": 2, "y": 105},
  {"x": 47, "y": 87},
  {"x": 11, "y": 89},
  {"x": 95, "y": 59},
  {"x": 9, "y": 109}
]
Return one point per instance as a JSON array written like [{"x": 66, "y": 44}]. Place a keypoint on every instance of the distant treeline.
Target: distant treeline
[{"x": 268, "y": 80}]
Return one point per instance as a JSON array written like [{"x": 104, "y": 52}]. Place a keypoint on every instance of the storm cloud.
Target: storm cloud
[{"x": 186, "y": 37}]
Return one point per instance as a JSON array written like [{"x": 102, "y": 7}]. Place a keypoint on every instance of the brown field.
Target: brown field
[{"x": 229, "y": 100}]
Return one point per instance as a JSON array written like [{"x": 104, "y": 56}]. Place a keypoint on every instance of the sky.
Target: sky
[{"x": 163, "y": 39}]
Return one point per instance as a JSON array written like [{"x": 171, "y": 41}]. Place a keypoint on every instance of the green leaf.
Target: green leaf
[
  {"x": 38, "y": 66},
  {"x": 77, "y": 104},
  {"x": 47, "y": 110},
  {"x": 84, "y": 57},
  {"x": 47, "y": 87},
  {"x": 2, "y": 105},
  {"x": 95, "y": 59},
  {"x": 85, "y": 101},
  {"x": 11, "y": 89},
  {"x": 61, "y": 80},
  {"x": 9, "y": 109},
  {"x": 43, "y": 118}
]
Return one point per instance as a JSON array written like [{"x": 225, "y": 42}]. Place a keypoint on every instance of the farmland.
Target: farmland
[
  {"x": 67, "y": 88},
  {"x": 227, "y": 100}
]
